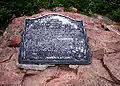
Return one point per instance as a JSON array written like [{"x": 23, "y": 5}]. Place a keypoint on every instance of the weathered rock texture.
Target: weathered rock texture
[{"x": 103, "y": 71}]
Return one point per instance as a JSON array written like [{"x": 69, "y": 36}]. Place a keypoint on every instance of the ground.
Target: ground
[{"x": 104, "y": 42}]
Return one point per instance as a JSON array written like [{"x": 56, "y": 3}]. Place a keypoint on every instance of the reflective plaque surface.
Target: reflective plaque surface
[{"x": 54, "y": 39}]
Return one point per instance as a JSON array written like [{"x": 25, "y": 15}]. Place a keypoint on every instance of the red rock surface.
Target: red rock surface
[
  {"x": 103, "y": 71},
  {"x": 14, "y": 41}
]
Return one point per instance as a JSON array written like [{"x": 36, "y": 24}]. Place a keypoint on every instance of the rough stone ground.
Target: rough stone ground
[{"x": 104, "y": 42}]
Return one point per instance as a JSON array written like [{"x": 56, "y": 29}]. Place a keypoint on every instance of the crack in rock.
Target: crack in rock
[
  {"x": 66, "y": 68},
  {"x": 24, "y": 77},
  {"x": 107, "y": 79},
  {"x": 116, "y": 81},
  {"x": 52, "y": 78},
  {"x": 7, "y": 59}
]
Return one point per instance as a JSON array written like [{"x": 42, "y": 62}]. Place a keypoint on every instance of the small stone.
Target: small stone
[
  {"x": 74, "y": 10},
  {"x": 14, "y": 41},
  {"x": 73, "y": 66},
  {"x": 59, "y": 9}
]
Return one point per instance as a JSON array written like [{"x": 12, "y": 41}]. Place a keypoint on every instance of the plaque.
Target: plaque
[{"x": 54, "y": 39}]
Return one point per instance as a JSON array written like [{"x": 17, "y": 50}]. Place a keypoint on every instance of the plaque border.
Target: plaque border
[{"x": 52, "y": 62}]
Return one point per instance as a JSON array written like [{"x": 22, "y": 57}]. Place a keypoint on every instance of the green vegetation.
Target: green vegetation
[{"x": 110, "y": 8}]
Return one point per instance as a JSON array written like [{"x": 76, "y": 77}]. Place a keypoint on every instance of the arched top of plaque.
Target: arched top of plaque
[
  {"x": 55, "y": 14},
  {"x": 57, "y": 19},
  {"x": 54, "y": 39}
]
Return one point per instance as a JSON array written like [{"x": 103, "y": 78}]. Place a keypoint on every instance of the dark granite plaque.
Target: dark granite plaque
[{"x": 54, "y": 39}]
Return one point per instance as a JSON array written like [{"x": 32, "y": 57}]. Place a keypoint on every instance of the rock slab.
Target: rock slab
[{"x": 103, "y": 71}]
